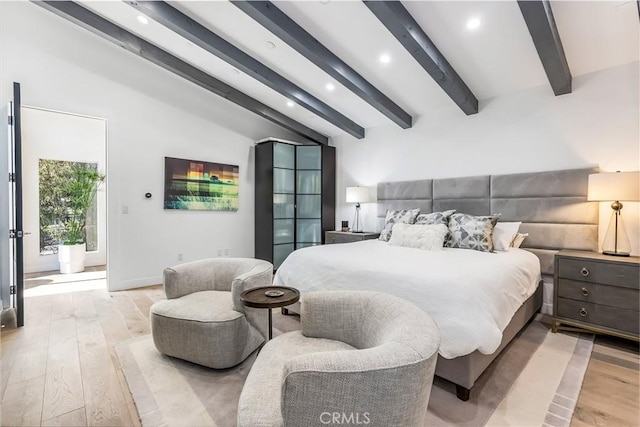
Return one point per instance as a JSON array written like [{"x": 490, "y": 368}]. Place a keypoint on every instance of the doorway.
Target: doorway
[{"x": 53, "y": 142}]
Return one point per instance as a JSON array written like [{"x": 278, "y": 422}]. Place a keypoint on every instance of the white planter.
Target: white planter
[{"x": 71, "y": 258}]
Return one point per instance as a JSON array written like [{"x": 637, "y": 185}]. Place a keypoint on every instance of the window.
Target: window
[{"x": 53, "y": 175}]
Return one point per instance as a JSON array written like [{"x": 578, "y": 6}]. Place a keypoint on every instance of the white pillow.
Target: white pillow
[
  {"x": 517, "y": 241},
  {"x": 419, "y": 236},
  {"x": 503, "y": 235}
]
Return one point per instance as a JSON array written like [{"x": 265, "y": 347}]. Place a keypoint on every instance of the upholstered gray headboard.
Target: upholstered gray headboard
[{"x": 552, "y": 206}]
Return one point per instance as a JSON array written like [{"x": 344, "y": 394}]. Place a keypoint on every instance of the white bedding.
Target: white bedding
[{"x": 471, "y": 295}]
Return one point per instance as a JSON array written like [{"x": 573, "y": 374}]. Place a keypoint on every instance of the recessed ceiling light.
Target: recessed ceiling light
[
  {"x": 290, "y": 104},
  {"x": 270, "y": 44},
  {"x": 143, "y": 19},
  {"x": 385, "y": 59},
  {"x": 330, "y": 87},
  {"x": 473, "y": 23}
]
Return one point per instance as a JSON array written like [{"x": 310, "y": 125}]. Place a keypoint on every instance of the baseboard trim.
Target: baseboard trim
[{"x": 136, "y": 283}]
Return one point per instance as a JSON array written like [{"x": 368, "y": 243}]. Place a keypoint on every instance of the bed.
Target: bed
[{"x": 554, "y": 211}]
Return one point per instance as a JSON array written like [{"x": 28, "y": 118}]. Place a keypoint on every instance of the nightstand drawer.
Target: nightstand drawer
[
  {"x": 584, "y": 270},
  {"x": 599, "y": 315},
  {"x": 340, "y": 238},
  {"x": 331, "y": 237},
  {"x": 612, "y": 296}
]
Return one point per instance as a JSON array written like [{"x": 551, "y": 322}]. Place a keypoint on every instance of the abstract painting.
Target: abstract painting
[{"x": 198, "y": 185}]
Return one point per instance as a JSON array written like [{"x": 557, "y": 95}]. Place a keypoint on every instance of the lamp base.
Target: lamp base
[
  {"x": 612, "y": 253},
  {"x": 616, "y": 242},
  {"x": 356, "y": 221}
]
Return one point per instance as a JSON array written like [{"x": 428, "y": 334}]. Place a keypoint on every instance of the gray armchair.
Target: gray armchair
[
  {"x": 363, "y": 357},
  {"x": 203, "y": 320}
]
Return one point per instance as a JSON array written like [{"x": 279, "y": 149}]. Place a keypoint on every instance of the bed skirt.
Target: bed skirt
[{"x": 465, "y": 370}]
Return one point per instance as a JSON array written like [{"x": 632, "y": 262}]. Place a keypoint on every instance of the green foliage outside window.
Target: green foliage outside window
[{"x": 67, "y": 194}]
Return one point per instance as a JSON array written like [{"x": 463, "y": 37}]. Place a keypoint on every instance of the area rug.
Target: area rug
[{"x": 535, "y": 381}]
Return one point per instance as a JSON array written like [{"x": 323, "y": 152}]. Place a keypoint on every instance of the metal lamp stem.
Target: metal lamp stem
[
  {"x": 617, "y": 207},
  {"x": 615, "y": 235}
]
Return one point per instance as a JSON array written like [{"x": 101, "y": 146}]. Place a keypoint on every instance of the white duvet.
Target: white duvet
[{"x": 471, "y": 295}]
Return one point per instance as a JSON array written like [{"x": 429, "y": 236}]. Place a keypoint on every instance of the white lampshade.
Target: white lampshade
[
  {"x": 358, "y": 195},
  {"x": 620, "y": 186}
]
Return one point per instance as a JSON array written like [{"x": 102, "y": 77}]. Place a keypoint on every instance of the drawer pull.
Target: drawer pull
[
  {"x": 583, "y": 312},
  {"x": 585, "y": 292},
  {"x": 584, "y": 272}
]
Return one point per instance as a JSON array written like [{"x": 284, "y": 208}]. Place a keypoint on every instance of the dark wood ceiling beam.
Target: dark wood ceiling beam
[
  {"x": 198, "y": 34},
  {"x": 401, "y": 24},
  {"x": 542, "y": 27},
  {"x": 129, "y": 41},
  {"x": 273, "y": 19}
]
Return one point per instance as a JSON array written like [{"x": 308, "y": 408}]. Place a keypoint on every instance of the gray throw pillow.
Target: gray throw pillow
[
  {"x": 435, "y": 218},
  {"x": 392, "y": 218},
  {"x": 471, "y": 232}
]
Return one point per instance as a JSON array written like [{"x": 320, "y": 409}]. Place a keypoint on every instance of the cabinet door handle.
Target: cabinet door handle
[
  {"x": 585, "y": 292},
  {"x": 583, "y": 312},
  {"x": 584, "y": 272}
]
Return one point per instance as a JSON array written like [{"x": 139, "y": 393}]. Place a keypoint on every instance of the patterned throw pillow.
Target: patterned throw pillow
[
  {"x": 435, "y": 217},
  {"x": 517, "y": 241},
  {"x": 471, "y": 232},
  {"x": 402, "y": 216}
]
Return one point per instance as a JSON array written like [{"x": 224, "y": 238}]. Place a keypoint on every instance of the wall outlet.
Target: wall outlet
[
  {"x": 180, "y": 257},
  {"x": 226, "y": 252}
]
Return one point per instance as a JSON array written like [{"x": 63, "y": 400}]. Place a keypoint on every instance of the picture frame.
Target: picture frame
[{"x": 200, "y": 185}]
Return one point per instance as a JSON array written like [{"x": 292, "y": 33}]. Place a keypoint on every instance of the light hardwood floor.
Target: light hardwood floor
[
  {"x": 610, "y": 392},
  {"x": 61, "y": 369}
]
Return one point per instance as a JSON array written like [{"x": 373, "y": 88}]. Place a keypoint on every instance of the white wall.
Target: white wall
[
  {"x": 151, "y": 113},
  {"x": 528, "y": 131}
]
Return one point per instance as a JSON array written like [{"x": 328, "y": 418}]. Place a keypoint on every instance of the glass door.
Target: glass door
[
  {"x": 308, "y": 195},
  {"x": 16, "y": 248},
  {"x": 283, "y": 201}
]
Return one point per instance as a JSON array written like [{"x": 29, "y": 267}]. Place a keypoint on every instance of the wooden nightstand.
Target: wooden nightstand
[
  {"x": 331, "y": 237},
  {"x": 597, "y": 292}
]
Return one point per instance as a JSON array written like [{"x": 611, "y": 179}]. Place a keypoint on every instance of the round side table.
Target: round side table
[{"x": 259, "y": 298}]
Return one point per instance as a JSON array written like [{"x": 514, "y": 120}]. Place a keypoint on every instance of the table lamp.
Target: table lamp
[
  {"x": 615, "y": 187},
  {"x": 358, "y": 195}
]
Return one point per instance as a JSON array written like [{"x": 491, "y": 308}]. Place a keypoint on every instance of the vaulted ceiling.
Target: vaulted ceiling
[{"x": 349, "y": 89}]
